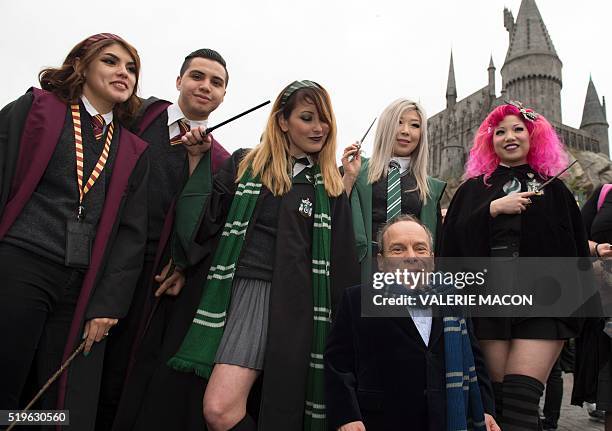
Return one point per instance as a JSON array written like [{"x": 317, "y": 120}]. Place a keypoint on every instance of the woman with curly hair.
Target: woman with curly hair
[
  {"x": 72, "y": 222},
  {"x": 498, "y": 212}
]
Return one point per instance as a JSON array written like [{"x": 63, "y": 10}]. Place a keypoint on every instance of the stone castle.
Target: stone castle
[{"x": 532, "y": 74}]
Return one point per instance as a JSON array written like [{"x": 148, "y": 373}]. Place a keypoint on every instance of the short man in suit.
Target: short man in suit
[{"x": 390, "y": 373}]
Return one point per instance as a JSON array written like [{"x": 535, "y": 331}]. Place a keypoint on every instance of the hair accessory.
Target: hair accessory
[
  {"x": 98, "y": 37},
  {"x": 84, "y": 46},
  {"x": 294, "y": 86},
  {"x": 528, "y": 114}
]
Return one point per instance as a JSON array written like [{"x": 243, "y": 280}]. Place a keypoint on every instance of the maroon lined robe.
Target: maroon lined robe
[
  {"x": 44, "y": 125},
  {"x": 217, "y": 157}
]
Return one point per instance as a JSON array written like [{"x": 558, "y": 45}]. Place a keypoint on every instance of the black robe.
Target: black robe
[
  {"x": 161, "y": 398},
  {"x": 593, "y": 348},
  {"x": 118, "y": 247},
  {"x": 169, "y": 170},
  {"x": 550, "y": 227}
]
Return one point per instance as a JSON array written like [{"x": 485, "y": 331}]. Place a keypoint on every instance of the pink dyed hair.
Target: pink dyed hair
[{"x": 546, "y": 155}]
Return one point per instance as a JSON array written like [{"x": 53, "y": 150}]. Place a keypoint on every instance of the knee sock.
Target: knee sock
[
  {"x": 521, "y": 397},
  {"x": 246, "y": 424},
  {"x": 498, "y": 392}
]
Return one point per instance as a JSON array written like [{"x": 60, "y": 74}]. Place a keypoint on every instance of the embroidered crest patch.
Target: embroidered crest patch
[
  {"x": 306, "y": 207},
  {"x": 512, "y": 186}
]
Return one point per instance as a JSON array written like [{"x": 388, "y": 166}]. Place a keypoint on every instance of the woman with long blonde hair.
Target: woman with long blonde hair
[
  {"x": 394, "y": 180},
  {"x": 278, "y": 247}
]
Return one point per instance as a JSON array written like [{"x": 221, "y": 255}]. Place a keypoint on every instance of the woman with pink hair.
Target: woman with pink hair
[{"x": 499, "y": 211}]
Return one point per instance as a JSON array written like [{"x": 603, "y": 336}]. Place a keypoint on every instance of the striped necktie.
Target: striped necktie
[
  {"x": 183, "y": 128},
  {"x": 394, "y": 191},
  {"x": 98, "y": 124}
]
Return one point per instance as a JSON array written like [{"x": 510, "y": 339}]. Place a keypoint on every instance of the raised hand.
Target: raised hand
[{"x": 352, "y": 167}]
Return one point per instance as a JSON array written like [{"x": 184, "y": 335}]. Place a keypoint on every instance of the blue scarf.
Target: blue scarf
[{"x": 464, "y": 408}]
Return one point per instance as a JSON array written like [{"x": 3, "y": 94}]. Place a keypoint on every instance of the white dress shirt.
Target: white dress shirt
[
  {"x": 175, "y": 114},
  {"x": 298, "y": 167},
  {"x": 404, "y": 163},
  {"x": 108, "y": 117},
  {"x": 422, "y": 318}
]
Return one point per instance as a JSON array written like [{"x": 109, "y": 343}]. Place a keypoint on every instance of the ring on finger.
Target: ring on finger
[{"x": 528, "y": 201}]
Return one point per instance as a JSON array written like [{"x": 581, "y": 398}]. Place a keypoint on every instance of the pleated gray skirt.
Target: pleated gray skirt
[{"x": 244, "y": 339}]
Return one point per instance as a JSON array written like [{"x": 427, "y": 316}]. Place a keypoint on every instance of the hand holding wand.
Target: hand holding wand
[
  {"x": 363, "y": 139},
  {"x": 235, "y": 117}
]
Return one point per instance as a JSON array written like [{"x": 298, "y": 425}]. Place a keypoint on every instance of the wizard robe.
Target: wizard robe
[
  {"x": 168, "y": 399},
  {"x": 169, "y": 174},
  {"x": 30, "y": 129}
]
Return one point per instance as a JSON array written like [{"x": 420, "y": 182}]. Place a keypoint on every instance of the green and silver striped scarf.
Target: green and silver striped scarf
[{"x": 198, "y": 350}]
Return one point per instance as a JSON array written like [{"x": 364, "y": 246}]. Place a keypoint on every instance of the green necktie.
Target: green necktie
[{"x": 394, "y": 191}]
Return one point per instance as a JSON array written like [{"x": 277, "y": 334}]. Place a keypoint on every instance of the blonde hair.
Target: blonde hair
[
  {"x": 271, "y": 159},
  {"x": 384, "y": 141}
]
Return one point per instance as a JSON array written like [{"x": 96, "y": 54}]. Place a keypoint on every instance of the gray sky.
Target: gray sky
[{"x": 365, "y": 53}]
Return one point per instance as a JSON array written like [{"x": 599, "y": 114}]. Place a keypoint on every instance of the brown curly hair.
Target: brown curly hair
[{"x": 66, "y": 82}]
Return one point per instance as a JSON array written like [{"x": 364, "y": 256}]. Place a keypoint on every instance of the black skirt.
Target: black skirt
[{"x": 529, "y": 328}]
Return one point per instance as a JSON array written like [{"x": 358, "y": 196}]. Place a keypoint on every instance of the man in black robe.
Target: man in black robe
[{"x": 201, "y": 84}]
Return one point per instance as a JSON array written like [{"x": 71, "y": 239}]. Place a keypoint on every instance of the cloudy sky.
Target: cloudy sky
[{"x": 365, "y": 53}]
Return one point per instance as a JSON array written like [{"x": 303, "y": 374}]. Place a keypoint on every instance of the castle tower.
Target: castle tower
[
  {"x": 532, "y": 70},
  {"x": 594, "y": 118},
  {"x": 491, "y": 70},
  {"x": 451, "y": 87}
]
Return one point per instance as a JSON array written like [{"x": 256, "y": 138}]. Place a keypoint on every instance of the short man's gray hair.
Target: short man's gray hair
[{"x": 398, "y": 219}]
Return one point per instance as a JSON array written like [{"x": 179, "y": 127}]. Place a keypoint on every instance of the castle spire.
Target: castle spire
[
  {"x": 594, "y": 118},
  {"x": 528, "y": 35},
  {"x": 491, "y": 70},
  {"x": 451, "y": 86},
  {"x": 532, "y": 71},
  {"x": 593, "y": 112}
]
